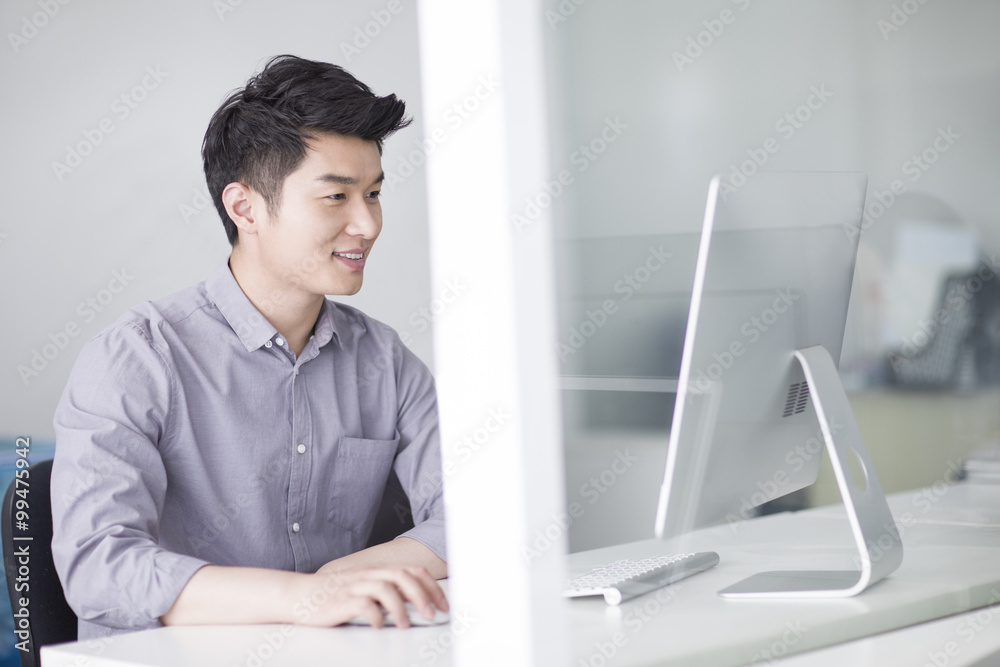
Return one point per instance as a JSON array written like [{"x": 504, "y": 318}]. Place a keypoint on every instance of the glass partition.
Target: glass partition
[{"x": 649, "y": 99}]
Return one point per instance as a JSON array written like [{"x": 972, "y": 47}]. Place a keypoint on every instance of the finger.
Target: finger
[
  {"x": 370, "y": 610},
  {"x": 431, "y": 586},
  {"x": 420, "y": 588},
  {"x": 415, "y": 590},
  {"x": 388, "y": 595},
  {"x": 408, "y": 586}
]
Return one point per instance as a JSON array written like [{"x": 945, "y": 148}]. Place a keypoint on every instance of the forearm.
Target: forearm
[
  {"x": 223, "y": 595},
  {"x": 234, "y": 595},
  {"x": 400, "y": 552}
]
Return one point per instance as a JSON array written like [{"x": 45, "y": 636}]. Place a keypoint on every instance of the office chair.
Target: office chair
[
  {"x": 27, "y": 562},
  {"x": 963, "y": 347},
  {"x": 394, "y": 515}
]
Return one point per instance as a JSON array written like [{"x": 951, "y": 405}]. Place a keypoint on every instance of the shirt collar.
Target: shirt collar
[
  {"x": 253, "y": 328},
  {"x": 326, "y": 327}
]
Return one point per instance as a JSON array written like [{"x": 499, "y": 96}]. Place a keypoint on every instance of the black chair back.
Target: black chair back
[
  {"x": 394, "y": 515},
  {"x": 41, "y": 614}
]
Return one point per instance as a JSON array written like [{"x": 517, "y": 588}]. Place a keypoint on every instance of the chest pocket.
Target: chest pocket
[{"x": 357, "y": 481}]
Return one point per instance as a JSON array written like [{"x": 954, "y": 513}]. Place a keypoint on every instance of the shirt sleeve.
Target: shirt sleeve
[
  {"x": 109, "y": 483},
  {"x": 418, "y": 463}
]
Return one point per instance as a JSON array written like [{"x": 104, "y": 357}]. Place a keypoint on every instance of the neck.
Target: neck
[{"x": 291, "y": 311}]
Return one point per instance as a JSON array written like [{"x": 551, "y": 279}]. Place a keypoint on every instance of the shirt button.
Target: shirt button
[
  {"x": 267, "y": 343},
  {"x": 295, "y": 527},
  {"x": 301, "y": 449},
  {"x": 280, "y": 342}
]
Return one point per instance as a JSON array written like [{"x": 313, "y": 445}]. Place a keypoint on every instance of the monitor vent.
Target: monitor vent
[{"x": 798, "y": 398}]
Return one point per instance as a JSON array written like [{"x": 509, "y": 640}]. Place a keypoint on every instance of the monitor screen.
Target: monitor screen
[
  {"x": 773, "y": 275},
  {"x": 759, "y": 398}
]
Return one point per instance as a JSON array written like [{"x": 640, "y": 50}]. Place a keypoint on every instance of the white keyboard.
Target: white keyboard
[{"x": 625, "y": 579}]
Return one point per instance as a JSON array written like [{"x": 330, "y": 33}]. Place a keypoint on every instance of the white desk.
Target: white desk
[{"x": 951, "y": 564}]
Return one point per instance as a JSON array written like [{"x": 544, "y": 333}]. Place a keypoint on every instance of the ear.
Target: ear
[{"x": 242, "y": 204}]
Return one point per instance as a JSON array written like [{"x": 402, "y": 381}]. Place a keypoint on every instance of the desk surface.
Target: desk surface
[{"x": 951, "y": 537}]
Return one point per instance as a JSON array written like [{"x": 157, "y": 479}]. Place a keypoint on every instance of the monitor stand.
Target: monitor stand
[{"x": 880, "y": 550}]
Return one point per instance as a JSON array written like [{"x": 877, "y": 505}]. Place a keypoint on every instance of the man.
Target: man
[{"x": 221, "y": 452}]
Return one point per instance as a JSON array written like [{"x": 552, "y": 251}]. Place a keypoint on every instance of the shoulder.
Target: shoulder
[
  {"x": 361, "y": 328},
  {"x": 379, "y": 344},
  {"x": 150, "y": 325},
  {"x": 151, "y": 318}
]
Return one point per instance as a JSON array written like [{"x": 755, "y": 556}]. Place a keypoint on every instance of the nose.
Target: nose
[{"x": 365, "y": 219}]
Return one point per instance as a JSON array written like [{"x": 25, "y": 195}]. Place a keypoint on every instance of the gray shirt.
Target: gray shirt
[{"x": 190, "y": 434}]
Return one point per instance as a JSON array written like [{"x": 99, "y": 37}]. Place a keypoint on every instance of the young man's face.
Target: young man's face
[{"x": 328, "y": 219}]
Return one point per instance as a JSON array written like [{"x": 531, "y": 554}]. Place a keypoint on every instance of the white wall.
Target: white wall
[{"x": 62, "y": 239}]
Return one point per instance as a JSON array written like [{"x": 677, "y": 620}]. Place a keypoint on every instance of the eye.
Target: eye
[
  {"x": 375, "y": 194},
  {"x": 338, "y": 196}
]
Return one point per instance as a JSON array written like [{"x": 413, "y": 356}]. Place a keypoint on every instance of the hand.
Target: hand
[{"x": 335, "y": 595}]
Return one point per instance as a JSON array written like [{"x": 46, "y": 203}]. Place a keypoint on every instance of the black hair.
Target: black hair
[{"x": 258, "y": 136}]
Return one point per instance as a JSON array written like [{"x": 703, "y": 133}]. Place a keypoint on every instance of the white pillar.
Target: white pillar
[{"x": 495, "y": 357}]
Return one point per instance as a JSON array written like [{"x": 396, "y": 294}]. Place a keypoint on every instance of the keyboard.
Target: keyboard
[{"x": 625, "y": 579}]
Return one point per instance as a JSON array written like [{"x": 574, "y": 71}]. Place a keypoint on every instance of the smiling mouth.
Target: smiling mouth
[{"x": 349, "y": 255}]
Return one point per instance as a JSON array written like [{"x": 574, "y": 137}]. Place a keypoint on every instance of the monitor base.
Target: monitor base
[{"x": 880, "y": 549}]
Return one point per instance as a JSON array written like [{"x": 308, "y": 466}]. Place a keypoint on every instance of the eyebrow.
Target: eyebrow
[{"x": 337, "y": 179}]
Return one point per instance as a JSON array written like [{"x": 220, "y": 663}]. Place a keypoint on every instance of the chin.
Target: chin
[{"x": 342, "y": 290}]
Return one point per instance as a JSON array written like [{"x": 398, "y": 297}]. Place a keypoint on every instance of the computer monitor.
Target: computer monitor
[{"x": 759, "y": 397}]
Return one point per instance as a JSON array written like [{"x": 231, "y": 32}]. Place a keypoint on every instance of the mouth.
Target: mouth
[{"x": 354, "y": 259}]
